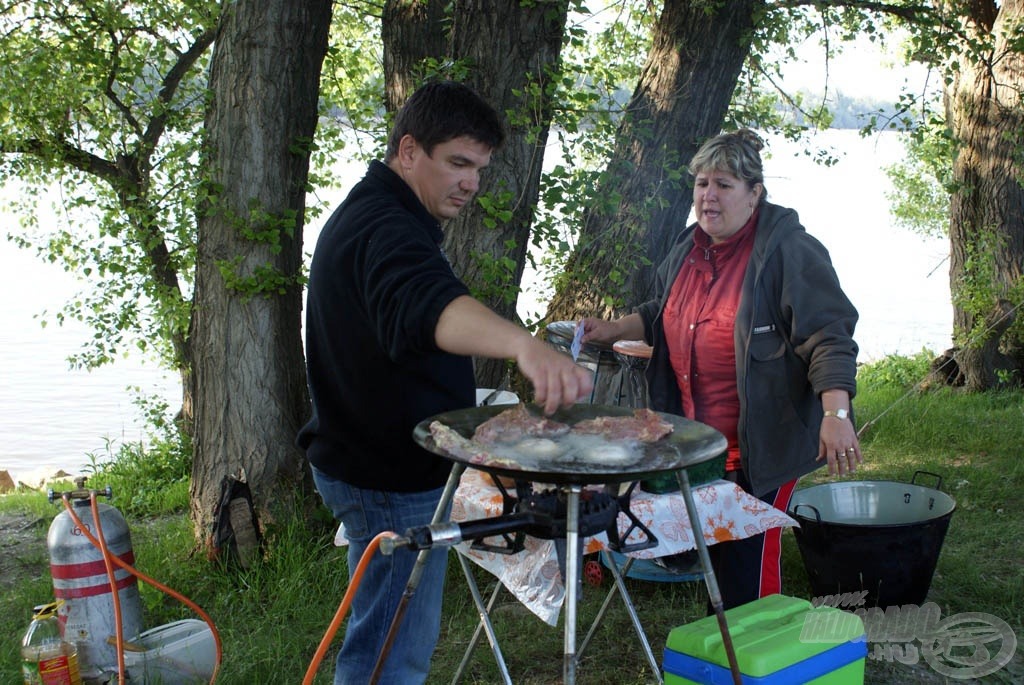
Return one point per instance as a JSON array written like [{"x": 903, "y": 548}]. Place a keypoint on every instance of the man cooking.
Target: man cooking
[{"x": 390, "y": 332}]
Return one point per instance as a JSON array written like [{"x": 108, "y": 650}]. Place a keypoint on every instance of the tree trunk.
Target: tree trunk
[
  {"x": 681, "y": 99},
  {"x": 412, "y": 32},
  {"x": 987, "y": 207},
  {"x": 515, "y": 48},
  {"x": 511, "y": 49},
  {"x": 249, "y": 378}
]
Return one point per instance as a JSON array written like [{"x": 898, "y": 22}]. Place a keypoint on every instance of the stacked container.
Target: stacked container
[{"x": 777, "y": 640}]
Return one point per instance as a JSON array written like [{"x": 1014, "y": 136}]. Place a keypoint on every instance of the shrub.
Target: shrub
[{"x": 895, "y": 371}]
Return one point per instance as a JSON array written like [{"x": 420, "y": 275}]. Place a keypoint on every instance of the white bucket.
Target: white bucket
[
  {"x": 503, "y": 397},
  {"x": 179, "y": 653}
]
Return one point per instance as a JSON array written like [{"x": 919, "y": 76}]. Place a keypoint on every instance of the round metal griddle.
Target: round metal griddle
[{"x": 688, "y": 444}]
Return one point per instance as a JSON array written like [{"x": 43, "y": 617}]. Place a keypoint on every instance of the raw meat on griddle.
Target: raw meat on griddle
[
  {"x": 644, "y": 426},
  {"x": 449, "y": 440},
  {"x": 512, "y": 425}
]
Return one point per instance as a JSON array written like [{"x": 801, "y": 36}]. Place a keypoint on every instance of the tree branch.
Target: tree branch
[
  {"x": 75, "y": 157},
  {"x": 912, "y": 13},
  {"x": 108, "y": 89},
  {"x": 172, "y": 80}
]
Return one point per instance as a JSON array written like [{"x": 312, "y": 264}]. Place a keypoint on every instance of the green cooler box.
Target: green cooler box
[{"x": 778, "y": 640}]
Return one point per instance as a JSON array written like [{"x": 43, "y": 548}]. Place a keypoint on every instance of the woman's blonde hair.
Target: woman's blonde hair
[{"x": 737, "y": 152}]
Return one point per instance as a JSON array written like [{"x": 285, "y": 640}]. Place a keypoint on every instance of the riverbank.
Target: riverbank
[{"x": 30, "y": 481}]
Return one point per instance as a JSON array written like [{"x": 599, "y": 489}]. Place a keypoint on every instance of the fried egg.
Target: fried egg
[
  {"x": 608, "y": 453},
  {"x": 538, "y": 448}
]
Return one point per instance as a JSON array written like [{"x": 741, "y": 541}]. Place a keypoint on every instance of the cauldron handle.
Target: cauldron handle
[
  {"x": 817, "y": 514},
  {"x": 938, "y": 485}
]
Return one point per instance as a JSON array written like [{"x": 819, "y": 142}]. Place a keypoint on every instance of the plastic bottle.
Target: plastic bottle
[{"x": 47, "y": 659}]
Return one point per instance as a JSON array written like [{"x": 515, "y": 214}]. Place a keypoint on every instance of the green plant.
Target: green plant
[
  {"x": 895, "y": 371},
  {"x": 150, "y": 477}
]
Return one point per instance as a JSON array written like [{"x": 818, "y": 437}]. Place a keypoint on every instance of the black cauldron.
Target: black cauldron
[{"x": 876, "y": 537}]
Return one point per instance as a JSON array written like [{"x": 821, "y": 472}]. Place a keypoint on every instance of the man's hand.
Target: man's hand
[
  {"x": 557, "y": 380},
  {"x": 468, "y": 327}
]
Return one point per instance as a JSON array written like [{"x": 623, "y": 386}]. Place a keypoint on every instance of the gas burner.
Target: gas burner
[
  {"x": 598, "y": 511},
  {"x": 542, "y": 514}
]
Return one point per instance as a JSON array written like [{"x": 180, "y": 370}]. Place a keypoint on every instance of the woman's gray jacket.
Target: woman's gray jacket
[{"x": 793, "y": 337}]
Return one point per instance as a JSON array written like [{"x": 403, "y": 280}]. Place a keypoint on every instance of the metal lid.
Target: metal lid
[{"x": 633, "y": 348}]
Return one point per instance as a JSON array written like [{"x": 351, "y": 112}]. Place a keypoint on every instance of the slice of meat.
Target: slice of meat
[
  {"x": 644, "y": 426},
  {"x": 512, "y": 425},
  {"x": 469, "y": 451}
]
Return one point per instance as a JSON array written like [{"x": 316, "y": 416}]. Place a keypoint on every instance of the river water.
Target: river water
[{"x": 53, "y": 417}]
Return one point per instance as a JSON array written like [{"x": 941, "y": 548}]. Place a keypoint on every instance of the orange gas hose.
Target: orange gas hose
[
  {"x": 142, "y": 576},
  {"x": 115, "y": 593},
  {"x": 343, "y": 608}
]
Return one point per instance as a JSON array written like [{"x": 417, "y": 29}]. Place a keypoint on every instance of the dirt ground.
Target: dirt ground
[{"x": 22, "y": 548}]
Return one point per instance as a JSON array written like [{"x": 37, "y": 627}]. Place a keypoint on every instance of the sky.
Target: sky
[{"x": 864, "y": 69}]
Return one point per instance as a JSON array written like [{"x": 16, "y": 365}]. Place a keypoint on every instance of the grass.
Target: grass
[{"x": 272, "y": 616}]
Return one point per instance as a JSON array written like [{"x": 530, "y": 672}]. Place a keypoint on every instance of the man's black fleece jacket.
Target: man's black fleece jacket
[{"x": 377, "y": 286}]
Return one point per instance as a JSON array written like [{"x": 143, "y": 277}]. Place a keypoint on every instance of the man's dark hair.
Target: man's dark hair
[{"x": 442, "y": 110}]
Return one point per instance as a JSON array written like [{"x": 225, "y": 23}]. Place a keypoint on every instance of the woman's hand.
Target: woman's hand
[
  {"x": 837, "y": 441},
  {"x": 838, "y": 444},
  {"x": 629, "y": 327}
]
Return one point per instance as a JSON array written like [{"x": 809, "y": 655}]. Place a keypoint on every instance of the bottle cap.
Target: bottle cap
[{"x": 41, "y": 611}]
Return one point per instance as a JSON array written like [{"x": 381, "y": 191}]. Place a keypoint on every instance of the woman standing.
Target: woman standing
[{"x": 752, "y": 335}]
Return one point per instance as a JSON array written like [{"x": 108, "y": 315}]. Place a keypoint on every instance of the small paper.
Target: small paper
[{"x": 577, "y": 341}]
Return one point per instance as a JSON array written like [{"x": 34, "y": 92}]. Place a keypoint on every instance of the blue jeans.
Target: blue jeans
[{"x": 366, "y": 513}]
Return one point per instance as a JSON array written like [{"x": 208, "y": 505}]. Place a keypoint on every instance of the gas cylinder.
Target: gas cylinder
[{"x": 80, "y": 579}]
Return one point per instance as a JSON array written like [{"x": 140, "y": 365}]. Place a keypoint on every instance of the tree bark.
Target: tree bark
[
  {"x": 249, "y": 378},
  {"x": 680, "y": 100},
  {"x": 511, "y": 50},
  {"x": 986, "y": 116},
  {"x": 515, "y": 50},
  {"x": 412, "y": 32}
]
